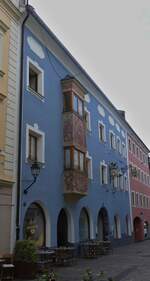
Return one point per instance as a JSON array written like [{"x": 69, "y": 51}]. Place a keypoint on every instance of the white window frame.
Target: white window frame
[
  {"x": 41, "y": 145},
  {"x": 118, "y": 148},
  {"x": 114, "y": 140},
  {"x": 88, "y": 123},
  {"x": 123, "y": 148},
  {"x": 133, "y": 199},
  {"x": 102, "y": 164},
  {"x": 90, "y": 173},
  {"x": 100, "y": 123},
  {"x": 40, "y": 73}
]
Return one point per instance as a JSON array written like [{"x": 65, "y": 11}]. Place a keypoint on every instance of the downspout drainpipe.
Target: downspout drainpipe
[{"x": 20, "y": 129}]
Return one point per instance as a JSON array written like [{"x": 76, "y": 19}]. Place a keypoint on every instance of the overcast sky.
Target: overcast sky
[{"x": 111, "y": 40}]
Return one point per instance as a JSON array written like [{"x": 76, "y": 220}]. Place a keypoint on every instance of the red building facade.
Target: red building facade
[{"x": 138, "y": 155}]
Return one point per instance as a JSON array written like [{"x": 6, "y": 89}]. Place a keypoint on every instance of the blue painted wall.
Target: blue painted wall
[{"x": 48, "y": 190}]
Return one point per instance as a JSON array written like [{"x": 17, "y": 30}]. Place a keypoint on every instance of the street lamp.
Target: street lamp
[{"x": 35, "y": 171}]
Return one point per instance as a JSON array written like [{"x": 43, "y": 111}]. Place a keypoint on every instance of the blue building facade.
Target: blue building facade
[{"x": 82, "y": 191}]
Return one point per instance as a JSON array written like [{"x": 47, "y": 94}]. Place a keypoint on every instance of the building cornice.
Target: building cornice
[{"x": 10, "y": 9}]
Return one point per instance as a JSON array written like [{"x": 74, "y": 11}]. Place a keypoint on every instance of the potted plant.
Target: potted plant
[{"x": 25, "y": 259}]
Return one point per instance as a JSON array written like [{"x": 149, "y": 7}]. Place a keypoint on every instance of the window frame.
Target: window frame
[
  {"x": 103, "y": 139},
  {"x": 112, "y": 144},
  {"x": 88, "y": 121},
  {"x": 103, "y": 180},
  {"x": 40, "y": 80},
  {"x": 41, "y": 143},
  {"x": 89, "y": 158}
]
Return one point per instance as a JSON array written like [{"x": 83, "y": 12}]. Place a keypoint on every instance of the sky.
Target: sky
[{"x": 111, "y": 41}]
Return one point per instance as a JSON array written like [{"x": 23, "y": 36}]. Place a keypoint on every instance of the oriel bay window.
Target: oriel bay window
[
  {"x": 74, "y": 159},
  {"x": 72, "y": 103}
]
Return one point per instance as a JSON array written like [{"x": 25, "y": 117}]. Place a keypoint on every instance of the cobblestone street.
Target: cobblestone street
[{"x": 128, "y": 263}]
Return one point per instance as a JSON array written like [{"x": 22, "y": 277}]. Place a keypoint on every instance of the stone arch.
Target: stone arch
[
  {"x": 103, "y": 224},
  {"x": 85, "y": 227},
  {"x": 65, "y": 228},
  {"x": 36, "y": 224},
  {"x": 117, "y": 227},
  {"x": 138, "y": 229}
]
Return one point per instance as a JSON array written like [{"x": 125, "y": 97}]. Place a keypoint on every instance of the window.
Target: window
[
  {"x": 102, "y": 132},
  {"x": 33, "y": 140},
  {"x": 137, "y": 152},
  {"x": 35, "y": 78},
  {"x": 103, "y": 173},
  {"x": 133, "y": 148},
  {"x": 133, "y": 198},
  {"x": 74, "y": 159},
  {"x": 125, "y": 183},
  {"x": 67, "y": 102},
  {"x": 121, "y": 181},
  {"x": 78, "y": 162},
  {"x": 141, "y": 200},
  {"x": 89, "y": 166},
  {"x": 67, "y": 158},
  {"x": 123, "y": 150},
  {"x": 140, "y": 155},
  {"x": 129, "y": 144},
  {"x": 137, "y": 199},
  {"x": 87, "y": 119},
  {"x": 78, "y": 105},
  {"x": 35, "y": 144},
  {"x": 118, "y": 145},
  {"x": 112, "y": 140}
]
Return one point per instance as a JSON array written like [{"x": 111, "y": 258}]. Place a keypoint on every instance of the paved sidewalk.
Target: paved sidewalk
[{"x": 127, "y": 263}]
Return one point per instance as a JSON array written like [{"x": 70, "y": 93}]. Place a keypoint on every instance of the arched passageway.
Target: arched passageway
[
  {"x": 34, "y": 224},
  {"x": 138, "y": 229},
  {"x": 103, "y": 225},
  {"x": 117, "y": 227},
  {"x": 62, "y": 229},
  {"x": 84, "y": 225}
]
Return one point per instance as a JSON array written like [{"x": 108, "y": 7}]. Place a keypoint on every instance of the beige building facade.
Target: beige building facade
[{"x": 11, "y": 15}]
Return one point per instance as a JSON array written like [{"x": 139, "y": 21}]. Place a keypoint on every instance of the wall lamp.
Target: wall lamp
[{"x": 35, "y": 171}]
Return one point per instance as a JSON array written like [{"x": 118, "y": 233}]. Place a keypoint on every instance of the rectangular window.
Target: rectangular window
[
  {"x": 87, "y": 119},
  {"x": 103, "y": 173},
  {"x": 133, "y": 198},
  {"x": 67, "y": 102},
  {"x": 137, "y": 152},
  {"x": 35, "y": 78},
  {"x": 118, "y": 145},
  {"x": 141, "y": 200},
  {"x": 76, "y": 159},
  {"x": 102, "y": 132},
  {"x": 67, "y": 158},
  {"x": 35, "y": 145},
  {"x": 137, "y": 199},
  {"x": 129, "y": 144},
  {"x": 79, "y": 160},
  {"x": 112, "y": 140},
  {"x": 89, "y": 167},
  {"x": 123, "y": 150},
  {"x": 78, "y": 105},
  {"x": 33, "y": 140},
  {"x": 133, "y": 148}
]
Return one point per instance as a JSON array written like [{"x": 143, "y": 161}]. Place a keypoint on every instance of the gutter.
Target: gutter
[{"x": 20, "y": 130}]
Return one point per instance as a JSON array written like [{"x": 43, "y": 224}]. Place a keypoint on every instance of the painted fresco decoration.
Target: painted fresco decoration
[
  {"x": 35, "y": 47},
  {"x": 34, "y": 225},
  {"x": 101, "y": 110},
  {"x": 111, "y": 121},
  {"x": 87, "y": 98}
]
